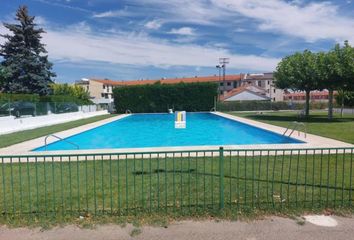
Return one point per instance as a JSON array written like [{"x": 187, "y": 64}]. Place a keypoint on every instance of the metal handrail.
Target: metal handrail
[
  {"x": 52, "y": 135},
  {"x": 128, "y": 111},
  {"x": 295, "y": 126}
]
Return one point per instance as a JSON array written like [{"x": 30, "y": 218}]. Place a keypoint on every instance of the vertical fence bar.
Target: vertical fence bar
[
  {"x": 12, "y": 187},
  {"x": 297, "y": 178},
  {"x": 259, "y": 178},
  {"x": 165, "y": 188},
  {"x": 86, "y": 185},
  {"x": 126, "y": 183},
  {"x": 94, "y": 185},
  {"x": 78, "y": 183},
  {"x": 53, "y": 187},
  {"x": 321, "y": 170},
  {"x": 313, "y": 178},
  {"x": 61, "y": 185},
  {"x": 273, "y": 176},
  {"x": 351, "y": 178},
  {"x": 118, "y": 186},
  {"x": 343, "y": 174},
  {"x": 238, "y": 182},
  {"x": 221, "y": 178},
  {"x": 289, "y": 178},
  {"x": 110, "y": 183},
  {"x": 189, "y": 182},
  {"x": 281, "y": 179},
  {"x": 327, "y": 186},
  {"x": 174, "y": 182},
  {"x": 3, "y": 186},
  {"x": 335, "y": 180},
  {"x": 253, "y": 179},
  {"x": 305, "y": 193},
  {"x": 134, "y": 183},
  {"x": 102, "y": 185},
  {"x": 142, "y": 182},
  {"x": 20, "y": 179},
  {"x": 150, "y": 182},
  {"x": 29, "y": 187},
  {"x": 70, "y": 188},
  {"x": 204, "y": 181},
  {"x": 45, "y": 187}
]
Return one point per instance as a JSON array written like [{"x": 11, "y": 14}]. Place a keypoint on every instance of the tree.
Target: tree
[
  {"x": 25, "y": 59},
  {"x": 337, "y": 71},
  {"x": 298, "y": 72},
  {"x": 3, "y": 75},
  {"x": 75, "y": 91}
]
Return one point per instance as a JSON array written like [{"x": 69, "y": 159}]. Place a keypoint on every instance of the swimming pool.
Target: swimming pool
[{"x": 158, "y": 130}]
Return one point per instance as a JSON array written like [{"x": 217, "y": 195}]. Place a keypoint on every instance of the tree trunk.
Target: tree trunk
[
  {"x": 307, "y": 105},
  {"x": 330, "y": 103},
  {"x": 342, "y": 108}
]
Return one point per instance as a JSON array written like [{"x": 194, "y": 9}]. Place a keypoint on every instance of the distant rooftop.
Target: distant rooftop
[{"x": 234, "y": 77}]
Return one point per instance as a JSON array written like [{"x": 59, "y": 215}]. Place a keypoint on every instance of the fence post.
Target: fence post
[{"x": 221, "y": 178}]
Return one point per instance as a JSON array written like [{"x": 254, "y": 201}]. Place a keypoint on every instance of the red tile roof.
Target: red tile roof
[
  {"x": 233, "y": 92},
  {"x": 235, "y": 77}
]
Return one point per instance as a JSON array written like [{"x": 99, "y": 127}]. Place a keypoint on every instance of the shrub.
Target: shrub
[
  {"x": 265, "y": 105},
  {"x": 160, "y": 97}
]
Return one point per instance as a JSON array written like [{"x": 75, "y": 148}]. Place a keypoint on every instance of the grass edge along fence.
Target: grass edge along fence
[{"x": 182, "y": 182}]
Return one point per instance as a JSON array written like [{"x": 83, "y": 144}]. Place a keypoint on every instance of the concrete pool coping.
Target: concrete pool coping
[{"x": 311, "y": 141}]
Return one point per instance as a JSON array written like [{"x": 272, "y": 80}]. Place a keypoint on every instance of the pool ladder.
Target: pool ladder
[
  {"x": 294, "y": 126},
  {"x": 55, "y": 136}
]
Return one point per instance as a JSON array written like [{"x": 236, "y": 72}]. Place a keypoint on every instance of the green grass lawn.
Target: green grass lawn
[
  {"x": 13, "y": 138},
  {"x": 339, "y": 128},
  {"x": 186, "y": 186}
]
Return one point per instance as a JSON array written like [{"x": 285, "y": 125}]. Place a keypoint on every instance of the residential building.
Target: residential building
[
  {"x": 245, "y": 93},
  {"x": 264, "y": 81},
  {"x": 235, "y": 87},
  {"x": 101, "y": 90},
  {"x": 315, "y": 96}
]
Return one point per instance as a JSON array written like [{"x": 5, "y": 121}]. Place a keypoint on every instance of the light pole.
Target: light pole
[
  {"x": 219, "y": 67},
  {"x": 223, "y": 62}
]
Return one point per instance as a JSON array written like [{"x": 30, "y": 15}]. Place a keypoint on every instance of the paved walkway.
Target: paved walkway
[{"x": 270, "y": 228}]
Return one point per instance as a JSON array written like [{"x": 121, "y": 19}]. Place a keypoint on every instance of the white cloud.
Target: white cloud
[
  {"x": 116, "y": 13},
  {"x": 183, "y": 31},
  {"x": 74, "y": 45},
  {"x": 154, "y": 24},
  {"x": 312, "y": 21}
]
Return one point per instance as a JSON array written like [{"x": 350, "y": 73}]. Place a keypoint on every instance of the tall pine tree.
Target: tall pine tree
[{"x": 25, "y": 58}]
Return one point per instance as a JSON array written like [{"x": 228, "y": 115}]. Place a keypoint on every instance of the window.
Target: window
[
  {"x": 228, "y": 83},
  {"x": 268, "y": 82},
  {"x": 235, "y": 84},
  {"x": 274, "y": 90},
  {"x": 104, "y": 86},
  {"x": 221, "y": 92},
  {"x": 259, "y": 84},
  {"x": 102, "y": 94},
  {"x": 221, "y": 84}
]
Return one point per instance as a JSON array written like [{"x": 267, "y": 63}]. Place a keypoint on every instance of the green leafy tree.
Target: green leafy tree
[
  {"x": 25, "y": 58},
  {"x": 337, "y": 71},
  {"x": 75, "y": 91},
  {"x": 298, "y": 72}
]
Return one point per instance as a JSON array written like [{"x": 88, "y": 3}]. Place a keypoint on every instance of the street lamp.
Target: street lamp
[{"x": 219, "y": 67}]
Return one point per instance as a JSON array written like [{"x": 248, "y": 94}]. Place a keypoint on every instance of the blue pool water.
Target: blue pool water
[{"x": 157, "y": 130}]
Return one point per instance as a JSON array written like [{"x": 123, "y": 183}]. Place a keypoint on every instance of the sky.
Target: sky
[{"x": 152, "y": 39}]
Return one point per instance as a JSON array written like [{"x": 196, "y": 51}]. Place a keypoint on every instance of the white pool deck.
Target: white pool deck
[{"x": 311, "y": 141}]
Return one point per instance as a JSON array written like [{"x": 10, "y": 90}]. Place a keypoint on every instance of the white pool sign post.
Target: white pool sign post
[{"x": 180, "y": 119}]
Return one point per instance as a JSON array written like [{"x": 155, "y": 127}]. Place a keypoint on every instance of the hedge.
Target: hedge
[
  {"x": 159, "y": 97},
  {"x": 5, "y": 97},
  {"x": 265, "y": 105}
]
